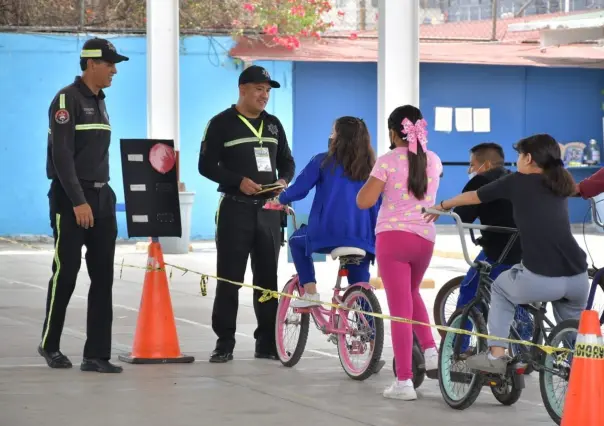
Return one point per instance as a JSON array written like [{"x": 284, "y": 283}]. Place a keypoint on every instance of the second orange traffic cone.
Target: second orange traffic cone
[
  {"x": 156, "y": 339},
  {"x": 585, "y": 394}
]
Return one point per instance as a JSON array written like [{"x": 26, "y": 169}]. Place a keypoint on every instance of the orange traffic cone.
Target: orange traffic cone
[
  {"x": 585, "y": 394},
  {"x": 155, "y": 339}
]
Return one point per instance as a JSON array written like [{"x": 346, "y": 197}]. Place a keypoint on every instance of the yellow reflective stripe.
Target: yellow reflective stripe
[
  {"x": 218, "y": 216},
  {"x": 49, "y": 132},
  {"x": 248, "y": 140},
  {"x": 258, "y": 132},
  {"x": 91, "y": 53},
  {"x": 93, "y": 126},
  {"x": 62, "y": 100},
  {"x": 55, "y": 279}
]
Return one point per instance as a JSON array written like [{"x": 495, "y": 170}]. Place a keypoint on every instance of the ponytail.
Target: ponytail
[
  {"x": 558, "y": 179},
  {"x": 417, "y": 183}
]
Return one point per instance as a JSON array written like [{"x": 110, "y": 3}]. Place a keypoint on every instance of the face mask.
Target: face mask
[{"x": 472, "y": 174}]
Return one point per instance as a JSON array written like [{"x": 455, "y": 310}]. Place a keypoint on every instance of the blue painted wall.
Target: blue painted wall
[
  {"x": 34, "y": 67},
  {"x": 567, "y": 103},
  {"x": 564, "y": 102}
]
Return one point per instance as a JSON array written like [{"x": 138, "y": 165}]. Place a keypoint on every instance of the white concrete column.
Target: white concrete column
[
  {"x": 398, "y": 61},
  {"x": 163, "y": 100}
]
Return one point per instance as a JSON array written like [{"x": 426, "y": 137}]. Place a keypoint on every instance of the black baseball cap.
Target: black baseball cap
[
  {"x": 99, "y": 48},
  {"x": 257, "y": 74}
]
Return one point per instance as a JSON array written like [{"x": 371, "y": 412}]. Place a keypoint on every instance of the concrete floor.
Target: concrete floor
[{"x": 243, "y": 392}]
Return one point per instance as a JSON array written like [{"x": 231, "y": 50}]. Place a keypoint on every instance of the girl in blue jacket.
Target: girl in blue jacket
[{"x": 335, "y": 220}]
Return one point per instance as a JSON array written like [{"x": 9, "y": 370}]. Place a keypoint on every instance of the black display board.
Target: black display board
[{"x": 151, "y": 198}]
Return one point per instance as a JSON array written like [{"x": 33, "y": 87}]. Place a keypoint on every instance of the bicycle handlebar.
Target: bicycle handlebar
[
  {"x": 282, "y": 207},
  {"x": 461, "y": 226},
  {"x": 594, "y": 213}
]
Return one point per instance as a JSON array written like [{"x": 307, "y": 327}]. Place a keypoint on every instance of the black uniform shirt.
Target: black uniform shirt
[
  {"x": 78, "y": 139},
  {"x": 228, "y": 151},
  {"x": 495, "y": 213}
]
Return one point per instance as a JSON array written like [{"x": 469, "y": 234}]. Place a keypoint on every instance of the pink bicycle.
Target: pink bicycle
[{"x": 366, "y": 332}]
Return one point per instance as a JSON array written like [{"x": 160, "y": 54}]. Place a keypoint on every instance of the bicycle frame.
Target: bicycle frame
[
  {"x": 483, "y": 295},
  {"x": 326, "y": 319}
]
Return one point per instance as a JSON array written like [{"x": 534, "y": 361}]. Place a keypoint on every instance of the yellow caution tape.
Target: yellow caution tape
[{"x": 587, "y": 350}]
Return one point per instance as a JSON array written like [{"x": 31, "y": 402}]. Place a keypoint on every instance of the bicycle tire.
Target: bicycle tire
[
  {"x": 509, "y": 397},
  {"x": 417, "y": 359},
  {"x": 564, "y": 325},
  {"x": 478, "y": 380},
  {"x": 294, "y": 358},
  {"x": 600, "y": 283},
  {"x": 441, "y": 297},
  {"x": 379, "y": 333}
]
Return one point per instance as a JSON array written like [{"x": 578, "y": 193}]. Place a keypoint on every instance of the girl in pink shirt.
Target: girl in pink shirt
[{"x": 407, "y": 177}]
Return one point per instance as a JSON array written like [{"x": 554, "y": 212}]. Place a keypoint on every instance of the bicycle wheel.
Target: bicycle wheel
[
  {"x": 596, "y": 295},
  {"x": 450, "y": 381},
  {"x": 287, "y": 355},
  {"x": 418, "y": 365},
  {"x": 564, "y": 333},
  {"x": 368, "y": 329},
  {"x": 441, "y": 316}
]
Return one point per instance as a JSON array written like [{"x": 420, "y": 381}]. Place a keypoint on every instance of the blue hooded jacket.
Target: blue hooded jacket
[{"x": 334, "y": 220}]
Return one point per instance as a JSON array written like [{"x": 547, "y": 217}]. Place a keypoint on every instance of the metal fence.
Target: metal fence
[{"x": 440, "y": 19}]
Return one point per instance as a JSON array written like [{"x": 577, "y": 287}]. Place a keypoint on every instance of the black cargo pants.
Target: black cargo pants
[
  {"x": 100, "y": 252},
  {"x": 244, "y": 229}
]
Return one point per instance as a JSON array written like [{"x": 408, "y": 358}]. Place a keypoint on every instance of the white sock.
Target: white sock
[
  {"x": 491, "y": 357},
  {"x": 407, "y": 382}
]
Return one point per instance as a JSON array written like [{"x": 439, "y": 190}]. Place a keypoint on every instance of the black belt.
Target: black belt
[
  {"x": 246, "y": 200},
  {"x": 92, "y": 184}
]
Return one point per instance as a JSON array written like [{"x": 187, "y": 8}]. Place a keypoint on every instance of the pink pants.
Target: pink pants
[{"x": 403, "y": 258}]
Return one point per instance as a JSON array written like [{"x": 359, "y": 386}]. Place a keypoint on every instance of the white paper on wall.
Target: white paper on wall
[
  {"x": 443, "y": 119},
  {"x": 482, "y": 120},
  {"x": 463, "y": 119}
]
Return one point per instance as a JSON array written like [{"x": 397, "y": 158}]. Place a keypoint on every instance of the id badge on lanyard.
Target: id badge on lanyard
[{"x": 263, "y": 160}]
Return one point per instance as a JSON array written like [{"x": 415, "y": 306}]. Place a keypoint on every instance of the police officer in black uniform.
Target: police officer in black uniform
[
  {"x": 82, "y": 207},
  {"x": 243, "y": 148}
]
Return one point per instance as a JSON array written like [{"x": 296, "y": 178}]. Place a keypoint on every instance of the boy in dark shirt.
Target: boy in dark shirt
[
  {"x": 554, "y": 267},
  {"x": 486, "y": 166}
]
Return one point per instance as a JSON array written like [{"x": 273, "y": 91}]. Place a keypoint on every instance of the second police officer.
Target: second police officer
[{"x": 243, "y": 148}]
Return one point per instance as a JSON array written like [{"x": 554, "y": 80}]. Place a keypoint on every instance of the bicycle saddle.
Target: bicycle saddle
[{"x": 347, "y": 251}]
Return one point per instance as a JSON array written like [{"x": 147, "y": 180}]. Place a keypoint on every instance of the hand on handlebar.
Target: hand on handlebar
[{"x": 431, "y": 217}]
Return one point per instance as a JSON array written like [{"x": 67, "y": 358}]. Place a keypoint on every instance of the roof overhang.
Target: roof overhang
[{"x": 565, "y": 30}]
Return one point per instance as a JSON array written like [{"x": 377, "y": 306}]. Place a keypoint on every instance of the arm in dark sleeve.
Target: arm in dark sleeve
[
  {"x": 210, "y": 155},
  {"x": 469, "y": 214},
  {"x": 63, "y": 112},
  {"x": 285, "y": 161},
  {"x": 498, "y": 189},
  {"x": 593, "y": 185}
]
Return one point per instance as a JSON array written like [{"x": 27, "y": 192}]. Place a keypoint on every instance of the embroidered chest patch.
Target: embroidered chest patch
[{"x": 273, "y": 129}]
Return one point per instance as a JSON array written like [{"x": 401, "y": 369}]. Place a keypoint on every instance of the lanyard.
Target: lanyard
[{"x": 257, "y": 133}]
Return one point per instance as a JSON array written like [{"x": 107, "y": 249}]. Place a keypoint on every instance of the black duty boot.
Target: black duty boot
[
  {"x": 220, "y": 356},
  {"x": 99, "y": 365},
  {"x": 55, "y": 359}
]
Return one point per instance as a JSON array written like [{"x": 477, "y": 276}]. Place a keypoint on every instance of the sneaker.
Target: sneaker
[
  {"x": 431, "y": 358},
  {"x": 401, "y": 390},
  {"x": 486, "y": 363},
  {"x": 307, "y": 301}
]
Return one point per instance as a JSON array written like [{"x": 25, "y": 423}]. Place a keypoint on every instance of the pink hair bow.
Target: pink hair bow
[{"x": 415, "y": 133}]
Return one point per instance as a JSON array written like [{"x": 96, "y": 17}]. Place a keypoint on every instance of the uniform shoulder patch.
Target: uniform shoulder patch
[{"x": 62, "y": 116}]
